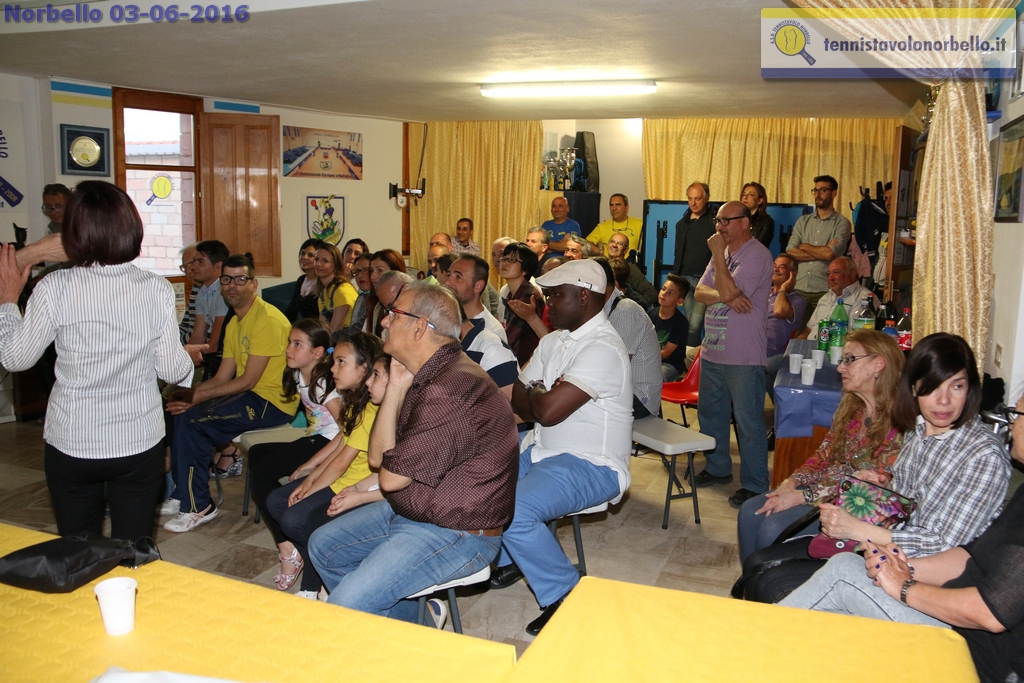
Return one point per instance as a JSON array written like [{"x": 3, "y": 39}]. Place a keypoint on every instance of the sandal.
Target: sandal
[
  {"x": 286, "y": 581},
  {"x": 232, "y": 470}
]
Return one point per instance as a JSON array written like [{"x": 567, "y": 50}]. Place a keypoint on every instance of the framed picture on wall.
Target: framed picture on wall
[
  {"x": 84, "y": 150},
  {"x": 1008, "y": 172}
]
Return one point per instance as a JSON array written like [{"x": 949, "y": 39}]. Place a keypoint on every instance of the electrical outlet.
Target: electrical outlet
[
  {"x": 401, "y": 201},
  {"x": 998, "y": 360}
]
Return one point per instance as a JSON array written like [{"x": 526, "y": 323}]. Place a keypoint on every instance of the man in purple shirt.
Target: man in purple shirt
[
  {"x": 444, "y": 442},
  {"x": 735, "y": 288}
]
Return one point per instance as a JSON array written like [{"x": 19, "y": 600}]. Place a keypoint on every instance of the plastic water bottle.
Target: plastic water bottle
[
  {"x": 839, "y": 323},
  {"x": 890, "y": 329},
  {"x": 863, "y": 315}
]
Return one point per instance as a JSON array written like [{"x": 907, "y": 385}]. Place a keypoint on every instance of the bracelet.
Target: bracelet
[{"x": 906, "y": 587}]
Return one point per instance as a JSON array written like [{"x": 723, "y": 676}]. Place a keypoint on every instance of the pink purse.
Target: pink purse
[{"x": 867, "y": 502}]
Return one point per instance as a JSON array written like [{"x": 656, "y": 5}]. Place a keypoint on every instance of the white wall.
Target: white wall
[
  {"x": 619, "y": 156},
  {"x": 1007, "y": 328},
  {"x": 369, "y": 214}
]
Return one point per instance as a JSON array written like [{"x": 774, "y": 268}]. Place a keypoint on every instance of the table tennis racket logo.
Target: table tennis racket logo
[{"x": 791, "y": 38}]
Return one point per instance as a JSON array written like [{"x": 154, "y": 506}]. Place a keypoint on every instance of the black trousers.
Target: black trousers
[
  {"x": 79, "y": 489},
  {"x": 268, "y": 462}
]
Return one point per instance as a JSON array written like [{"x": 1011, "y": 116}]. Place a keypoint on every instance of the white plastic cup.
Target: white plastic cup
[
  {"x": 117, "y": 604},
  {"x": 794, "y": 362},
  {"x": 819, "y": 358},
  {"x": 807, "y": 371},
  {"x": 835, "y": 353}
]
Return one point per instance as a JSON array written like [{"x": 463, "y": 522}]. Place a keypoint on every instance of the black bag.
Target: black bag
[
  {"x": 773, "y": 572},
  {"x": 67, "y": 563},
  {"x": 586, "y": 149}
]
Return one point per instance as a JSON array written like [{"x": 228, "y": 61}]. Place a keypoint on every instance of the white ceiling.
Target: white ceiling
[{"x": 423, "y": 60}]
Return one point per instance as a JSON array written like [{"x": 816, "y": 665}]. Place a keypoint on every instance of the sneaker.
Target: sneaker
[
  {"x": 705, "y": 478},
  {"x": 308, "y": 595},
  {"x": 439, "y": 611},
  {"x": 740, "y": 497},
  {"x": 187, "y": 521},
  {"x": 171, "y": 506}
]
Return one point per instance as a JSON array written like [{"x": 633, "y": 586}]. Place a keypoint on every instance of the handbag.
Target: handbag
[
  {"x": 67, "y": 563},
  {"x": 869, "y": 503}
]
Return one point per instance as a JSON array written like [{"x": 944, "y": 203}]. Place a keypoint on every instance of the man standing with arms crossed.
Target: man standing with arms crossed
[{"x": 818, "y": 238}]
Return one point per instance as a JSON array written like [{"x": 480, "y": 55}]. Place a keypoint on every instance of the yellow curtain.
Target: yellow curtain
[
  {"x": 954, "y": 221},
  {"x": 784, "y": 155},
  {"x": 955, "y": 205},
  {"x": 488, "y": 171}
]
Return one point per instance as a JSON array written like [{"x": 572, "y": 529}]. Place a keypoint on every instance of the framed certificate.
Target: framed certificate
[{"x": 84, "y": 150}]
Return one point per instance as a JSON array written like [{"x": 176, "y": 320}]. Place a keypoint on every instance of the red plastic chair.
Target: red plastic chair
[{"x": 684, "y": 392}]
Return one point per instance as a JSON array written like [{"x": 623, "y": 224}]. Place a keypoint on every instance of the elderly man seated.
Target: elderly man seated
[
  {"x": 445, "y": 443},
  {"x": 842, "y": 283},
  {"x": 577, "y": 390}
]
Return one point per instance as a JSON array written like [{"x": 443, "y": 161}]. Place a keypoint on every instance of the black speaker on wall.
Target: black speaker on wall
[{"x": 586, "y": 149}]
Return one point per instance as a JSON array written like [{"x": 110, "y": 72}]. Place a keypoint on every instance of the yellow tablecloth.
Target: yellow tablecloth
[
  {"x": 197, "y": 623},
  {"x": 614, "y": 631}
]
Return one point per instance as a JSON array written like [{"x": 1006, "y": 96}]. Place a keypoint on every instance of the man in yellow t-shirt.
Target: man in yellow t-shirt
[
  {"x": 245, "y": 394},
  {"x": 620, "y": 221}
]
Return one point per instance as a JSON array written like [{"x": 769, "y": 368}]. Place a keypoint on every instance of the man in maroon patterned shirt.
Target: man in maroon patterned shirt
[{"x": 445, "y": 443}]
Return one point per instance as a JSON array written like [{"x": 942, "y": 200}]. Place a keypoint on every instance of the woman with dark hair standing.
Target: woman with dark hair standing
[
  {"x": 380, "y": 263},
  {"x": 304, "y": 303},
  {"x": 352, "y": 250},
  {"x": 517, "y": 265},
  {"x": 116, "y": 333},
  {"x": 762, "y": 226}
]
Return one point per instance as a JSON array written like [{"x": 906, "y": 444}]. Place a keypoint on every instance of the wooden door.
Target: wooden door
[{"x": 239, "y": 185}]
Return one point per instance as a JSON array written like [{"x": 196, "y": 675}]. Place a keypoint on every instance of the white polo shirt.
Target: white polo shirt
[
  {"x": 492, "y": 324},
  {"x": 594, "y": 359}
]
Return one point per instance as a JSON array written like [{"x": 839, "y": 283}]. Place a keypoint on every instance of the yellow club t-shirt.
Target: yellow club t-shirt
[
  {"x": 360, "y": 440},
  {"x": 336, "y": 297},
  {"x": 631, "y": 228},
  {"x": 262, "y": 332}
]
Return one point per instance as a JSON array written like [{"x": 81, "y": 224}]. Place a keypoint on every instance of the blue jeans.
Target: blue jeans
[
  {"x": 202, "y": 428},
  {"x": 842, "y": 586},
  {"x": 760, "y": 531},
  {"x": 736, "y": 390},
  {"x": 771, "y": 371},
  {"x": 694, "y": 312},
  {"x": 549, "y": 489},
  {"x": 372, "y": 558}
]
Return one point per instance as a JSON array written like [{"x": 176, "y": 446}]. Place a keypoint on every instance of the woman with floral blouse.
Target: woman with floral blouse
[{"x": 863, "y": 437}]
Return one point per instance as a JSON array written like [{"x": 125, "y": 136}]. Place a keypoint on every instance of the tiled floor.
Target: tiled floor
[{"x": 627, "y": 543}]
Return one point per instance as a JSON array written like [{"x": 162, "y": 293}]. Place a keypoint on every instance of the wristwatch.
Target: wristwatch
[
  {"x": 534, "y": 383},
  {"x": 906, "y": 587}
]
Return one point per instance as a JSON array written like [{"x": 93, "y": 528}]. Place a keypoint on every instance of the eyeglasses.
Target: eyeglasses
[
  {"x": 239, "y": 280},
  {"x": 724, "y": 220},
  {"x": 361, "y": 271},
  {"x": 509, "y": 259},
  {"x": 392, "y": 311},
  {"x": 48, "y": 208},
  {"x": 821, "y": 190},
  {"x": 850, "y": 359},
  {"x": 197, "y": 260}
]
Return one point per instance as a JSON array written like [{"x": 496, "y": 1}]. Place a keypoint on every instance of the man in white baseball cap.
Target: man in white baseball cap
[{"x": 577, "y": 383}]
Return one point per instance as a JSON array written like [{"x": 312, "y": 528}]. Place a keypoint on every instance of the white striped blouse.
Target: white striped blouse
[{"x": 115, "y": 332}]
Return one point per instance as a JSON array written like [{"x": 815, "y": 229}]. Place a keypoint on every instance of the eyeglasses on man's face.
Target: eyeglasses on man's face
[
  {"x": 821, "y": 190},
  {"x": 239, "y": 280},
  {"x": 50, "y": 208},
  {"x": 392, "y": 312},
  {"x": 724, "y": 220}
]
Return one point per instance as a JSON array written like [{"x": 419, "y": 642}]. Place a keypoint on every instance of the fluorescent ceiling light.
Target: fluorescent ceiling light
[{"x": 568, "y": 89}]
